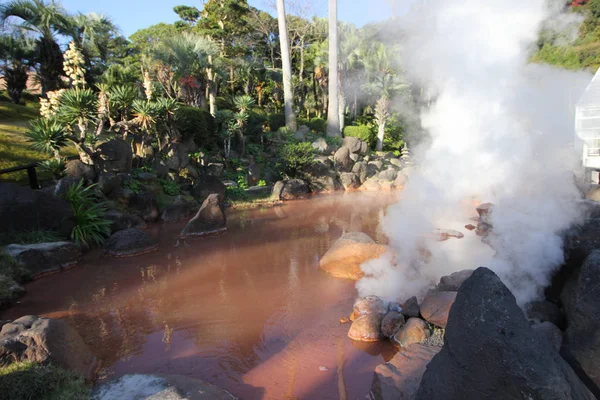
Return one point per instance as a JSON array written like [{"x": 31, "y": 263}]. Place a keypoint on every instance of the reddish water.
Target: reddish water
[{"x": 248, "y": 310}]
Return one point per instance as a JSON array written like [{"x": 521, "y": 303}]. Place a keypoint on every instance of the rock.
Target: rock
[
  {"x": 367, "y": 328},
  {"x": 372, "y": 171},
  {"x": 259, "y": 190},
  {"x": 206, "y": 185},
  {"x": 413, "y": 332},
  {"x": 230, "y": 183},
  {"x": 544, "y": 311},
  {"x": 452, "y": 282},
  {"x": 129, "y": 242},
  {"x": 378, "y": 165},
  {"x": 371, "y": 185},
  {"x": 550, "y": 332},
  {"x": 391, "y": 324},
  {"x": 63, "y": 185},
  {"x": 350, "y": 180},
  {"x": 24, "y": 210},
  {"x": 277, "y": 188},
  {"x": 294, "y": 189},
  {"x": 178, "y": 156},
  {"x": 388, "y": 155},
  {"x": 354, "y": 157},
  {"x": 360, "y": 169},
  {"x": 113, "y": 156},
  {"x": 399, "y": 378},
  {"x": 344, "y": 258},
  {"x": 400, "y": 181},
  {"x": 322, "y": 176},
  {"x": 389, "y": 175},
  {"x": 302, "y": 133},
  {"x": 321, "y": 147},
  {"x": 42, "y": 258},
  {"x": 470, "y": 227},
  {"x": 215, "y": 169},
  {"x": 192, "y": 171},
  {"x": 581, "y": 301},
  {"x": 179, "y": 210},
  {"x": 342, "y": 159},
  {"x": 122, "y": 195},
  {"x": 146, "y": 177},
  {"x": 121, "y": 221},
  {"x": 210, "y": 219},
  {"x": 145, "y": 206},
  {"x": 10, "y": 291},
  {"x": 410, "y": 308},
  {"x": 158, "y": 387},
  {"x": 78, "y": 170},
  {"x": 253, "y": 174},
  {"x": 355, "y": 145},
  {"x": 396, "y": 162},
  {"x": 491, "y": 352},
  {"x": 484, "y": 209},
  {"x": 370, "y": 305},
  {"x": 436, "y": 306},
  {"x": 107, "y": 182},
  {"x": 45, "y": 341}
]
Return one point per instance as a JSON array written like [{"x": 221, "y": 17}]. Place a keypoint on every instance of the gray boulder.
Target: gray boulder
[
  {"x": 177, "y": 156},
  {"x": 129, "y": 243},
  {"x": 342, "y": 159},
  {"x": 396, "y": 162},
  {"x": 491, "y": 352},
  {"x": 550, "y": 332},
  {"x": 42, "y": 258},
  {"x": 292, "y": 189},
  {"x": 206, "y": 185},
  {"x": 350, "y": 180},
  {"x": 113, "y": 156},
  {"x": 44, "y": 340},
  {"x": 391, "y": 323},
  {"x": 410, "y": 308},
  {"x": 544, "y": 311},
  {"x": 361, "y": 170},
  {"x": 367, "y": 328},
  {"x": 145, "y": 206},
  {"x": 378, "y": 165},
  {"x": 210, "y": 219},
  {"x": 322, "y": 176},
  {"x": 107, "y": 182},
  {"x": 302, "y": 133},
  {"x": 388, "y": 175},
  {"x": 78, "y": 170},
  {"x": 179, "y": 210},
  {"x": 371, "y": 185},
  {"x": 215, "y": 169},
  {"x": 10, "y": 291},
  {"x": 355, "y": 145},
  {"x": 321, "y": 147},
  {"x": 24, "y": 210},
  {"x": 121, "y": 221}
]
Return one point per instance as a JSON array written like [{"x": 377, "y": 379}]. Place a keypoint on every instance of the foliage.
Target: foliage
[
  {"x": 17, "y": 53},
  {"x": 236, "y": 193},
  {"x": 196, "y": 123},
  {"x": 90, "y": 225},
  {"x": 134, "y": 185},
  {"x": 262, "y": 183},
  {"x": 121, "y": 98},
  {"x": 362, "y": 132},
  {"x": 276, "y": 122},
  {"x": 28, "y": 380},
  {"x": 296, "y": 157},
  {"x": 54, "y": 167},
  {"x": 78, "y": 107},
  {"x": 169, "y": 187},
  {"x": 47, "y": 135},
  {"x": 394, "y": 134}
]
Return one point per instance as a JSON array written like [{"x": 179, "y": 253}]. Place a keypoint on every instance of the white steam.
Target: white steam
[{"x": 501, "y": 131}]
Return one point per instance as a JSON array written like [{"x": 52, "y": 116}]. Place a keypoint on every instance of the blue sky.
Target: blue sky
[{"x": 131, "y": 15}]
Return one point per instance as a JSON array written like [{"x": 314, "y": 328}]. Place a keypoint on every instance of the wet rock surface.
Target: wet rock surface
[
  {"x": 344, "y": 258},
  {"x": 210, "y": 219},
  {"x": 129, "y": 243},
  {"x": 452, "y": 282},
  {"x": 120, "y": 220},
  {"x": 436, "y": 307},
  {"x": 410, "y": 308},
  {"x": 367, "y": 328},
  {"x": 43, "y": 258},
  {"x": 415, "y": 331},
  {"x": 370, "y": 305},
  {"x": 391, "y": 323}
]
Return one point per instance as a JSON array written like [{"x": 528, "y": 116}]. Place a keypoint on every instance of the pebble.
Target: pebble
[{"x": 323, "y": 369}]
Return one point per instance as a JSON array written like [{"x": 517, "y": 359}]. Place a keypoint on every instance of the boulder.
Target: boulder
[
  {"x": 544, "y": 311},
  {"x": 210, "y": 219},
  {"x": 550, "y": 332},
  {"x": 253, "y": 174},
  {"x": 146, "y": 177},
  {"x": 322, "y": 176},
  {"x": 113, "y": 156},
  {"x": 121, "y": 221},
  {"x": 177, "y": 156},
  {"x": 400, "y": 181},
  {"x": 206, "y": 185},
  {"x": 367, "y": 328},
  {"x": 158, "y": 387},
  {"x": 294, "y": 189},
  {"x": 491, "y": 352},
  {"x": 215, "y": 169},
  {"x": 107, "y": 182},
  {"x": 452, "y": 282},
  {"x": 360, "y": 169},
  {"x": 355, "y": 145},
  {"x": 396, "y": 162},
  {"x": 344, "y": 258},
  {"x": 371, "y": 185},
  {"x": 410, "y": 308},
  {"x": 63, "y": 185},
  {"x": 145, "y": 206},
  {"x": 10, "y": 291},
  {"x": 259, "y": 190},
  {"x": 370, "y": 305},
  {"x": 129, "y": 243},
  {"x": 191, "y": 171},
  {"x": 413, "y": 332},
  {"x": 302, "y": 133},
  {"x": 354, "y": 157},
  {"x": 342, "y": 159},
  {"x": 436, "y": 306},
  {"x": 78, "y": 170},
  {"x": 122, "y": 195},
  {"x": 42, "y": 258},
  {"x": 581, "y": 301},
  {"x": 399, "y": 378},
  {"x": 391, "y": 324},
  {"x": 44, "y": 340},
  {"x": 180, "y": 209},
  {"x": 388, "y": 175},
  {"x": 277, "y": 188},
  {"x": 321, "y": 147},
  {"x": 24, "y": 210},
  {"x": 376, "y": 165},
  {"x": 350, "y": 180}
]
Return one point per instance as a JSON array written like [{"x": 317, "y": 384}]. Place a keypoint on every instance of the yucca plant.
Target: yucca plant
[
  {"x": 47, "y": 135},
  {"x": 145, "y": 114},
  {"x": 78, "y": 107},
  {"x": 90, "y": 225},
  {"x": 120, "y": 100},
  {"x": 54, "y": 166}
]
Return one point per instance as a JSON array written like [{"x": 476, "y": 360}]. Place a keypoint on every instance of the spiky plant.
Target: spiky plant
[
  {"x": 120, "y": 100},
  {"x": 47, "y": 135},
  {"x": 90, "y": 225},
  {"x": 145, "y": 114},
  {"x": 78, "y": 107},
  {"x": 243, "y": 103},
  {"x": 54, "y": 166}
]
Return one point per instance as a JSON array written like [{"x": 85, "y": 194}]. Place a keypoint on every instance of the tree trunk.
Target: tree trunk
[
  {"x": 212, "y": 88},
  {"x": 380, "y": 136},
  {"x": 342, "y": 109},
  {"x": 288, "y": 90},
  {"x": 333, "y": 121}
]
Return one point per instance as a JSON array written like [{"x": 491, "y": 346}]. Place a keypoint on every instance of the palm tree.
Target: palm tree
[
  {"x": 16, "y": 53},
  {"x": 45, "y": 20},
  {"x": 333, "y": 121},
  {"x": 288, "y": 90}
]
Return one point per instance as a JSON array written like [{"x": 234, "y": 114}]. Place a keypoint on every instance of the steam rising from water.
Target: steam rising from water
[{"x": 501, "y": 131}]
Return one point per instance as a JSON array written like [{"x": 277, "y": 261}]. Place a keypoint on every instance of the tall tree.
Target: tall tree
[
  {"x": 16, "y": 56},
  {"x": 333, "y": 120},
  {"x": 288, "y": 90}
]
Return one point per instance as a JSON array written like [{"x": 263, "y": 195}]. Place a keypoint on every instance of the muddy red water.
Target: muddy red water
[{"x": 248, "y": 310}]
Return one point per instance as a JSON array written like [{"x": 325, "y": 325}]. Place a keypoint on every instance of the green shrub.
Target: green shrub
[
  {"x": 90, "y": 224},
  {"x": 256, "y": 124},
  {"x": 169, "y": 187},
  {"x": 394, "y": 134},
  {"x": 296, "y": 157},
  {"x": 236, "y": 193},
  {"x": 193, "y": 122},
  {"x": 27, "y": 380},
  {"x": 317, "y": 125},
  {"x": 134, "y": 185},
  {"x": 362, "y": 132},
  {"x": 276, "y": 121}
]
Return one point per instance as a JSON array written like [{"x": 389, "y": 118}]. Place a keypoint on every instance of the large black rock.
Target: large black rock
[
  {"x": 206, "y": 185},
  {"x": 24, "y": 210},
  {"x": 491, "y": 352},
  {"x": 209, "y": 220}
]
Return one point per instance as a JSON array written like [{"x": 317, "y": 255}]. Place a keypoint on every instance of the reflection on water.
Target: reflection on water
[{"x": 248, "y": 310}]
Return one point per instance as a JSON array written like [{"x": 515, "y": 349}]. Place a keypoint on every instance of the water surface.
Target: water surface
[{"x": 248, "y": 310}]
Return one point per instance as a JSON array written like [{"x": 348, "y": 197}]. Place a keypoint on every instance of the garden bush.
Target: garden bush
[
  {"x": 193, "y": 122},
  {"x": 362, "y": 132},
  {"x": 318, "y": 125},
  {"x": 296, "y": 157},
  {"x": 276, "y": 121}
]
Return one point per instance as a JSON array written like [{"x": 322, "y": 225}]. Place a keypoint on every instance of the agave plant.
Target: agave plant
[
  {"x": 47, "y": 135},
  {"x": 121, "y": 99},
  {"x": 78, "y": 107},
  {"x": 145, "y": 114},
  {"x": 90, "y": 224}
]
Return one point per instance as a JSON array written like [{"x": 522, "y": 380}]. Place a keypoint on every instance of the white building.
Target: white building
[{"x": 587, "y": 127}]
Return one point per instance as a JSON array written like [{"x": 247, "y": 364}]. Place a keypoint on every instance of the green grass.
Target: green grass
[{"x": 27, "y": 380}]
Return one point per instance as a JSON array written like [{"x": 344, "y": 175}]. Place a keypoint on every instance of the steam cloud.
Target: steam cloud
[{"x": 502, "y": 131}]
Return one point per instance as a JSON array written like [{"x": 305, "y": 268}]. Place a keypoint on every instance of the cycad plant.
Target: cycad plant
[{"x": 243, "y": 104}]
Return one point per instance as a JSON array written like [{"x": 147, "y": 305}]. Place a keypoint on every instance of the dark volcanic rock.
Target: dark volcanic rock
[
  {"x": 45, "y": 341},
  {"x": 114, "y": 156},
  {"x": 129, "y": 242},
  {"x": 210, "y": 219},
  {"x": 550, "y": 332},
  {"x": 180, "y": 209},
  {"x": 291, "y": 190},
  {"x": 206, "y": 185},
  {"x": 24, "y": 210},
  {"x": 342, "y": 159},
  {"x": 436, "y": 306},
  {"x": 145, "y": 206},
  {"x": 77, "y": 169},
  {"x": 491, "y": 352},
  {"x": 392, "y": 322},
  {"x": 42, "y": 258},
  {"x": 544, "y": 311},
  {"x": 121, "y": 221},
  {"x": 410, "y": 308}
]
